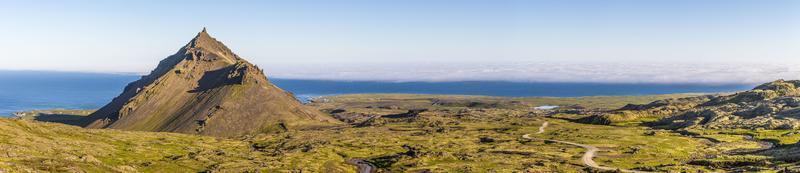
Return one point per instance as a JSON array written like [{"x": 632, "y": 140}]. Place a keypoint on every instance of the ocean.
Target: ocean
[{"x": 30, "y": 90}]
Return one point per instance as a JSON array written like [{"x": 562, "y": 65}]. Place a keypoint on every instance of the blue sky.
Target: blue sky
[{"x": 132, "y": 36}]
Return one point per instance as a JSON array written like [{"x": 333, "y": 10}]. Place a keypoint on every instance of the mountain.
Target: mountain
[
  {"x": 773, "y": 105},
  {"x": 205, "y": 89}
]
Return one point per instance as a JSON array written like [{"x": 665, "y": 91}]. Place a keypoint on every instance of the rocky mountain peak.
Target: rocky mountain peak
[
  {"x": 204, "y": 44},
  {"x": 205, "y": 89}
]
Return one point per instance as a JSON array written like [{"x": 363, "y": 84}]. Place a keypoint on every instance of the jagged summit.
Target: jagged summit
[
  {"x": 203, "y": 39},
  {"x": 209, "y": 44},
  {"x": 206, "y": 89}
]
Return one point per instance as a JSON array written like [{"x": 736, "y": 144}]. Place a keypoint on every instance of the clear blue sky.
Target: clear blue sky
[{"x": 132, "y": 36}]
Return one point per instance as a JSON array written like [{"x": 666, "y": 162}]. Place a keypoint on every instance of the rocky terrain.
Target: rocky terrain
[
  {"x": 771, "y": 105},
  {"x": 205, "y": 89},
  {"x": 774, "y": 105}
]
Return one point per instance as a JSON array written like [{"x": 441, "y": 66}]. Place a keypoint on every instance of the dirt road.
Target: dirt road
[
  {"x": 588, "y": 156},
  {"x": 541, "y": 128},
  {"x": 363, "y": 166}
]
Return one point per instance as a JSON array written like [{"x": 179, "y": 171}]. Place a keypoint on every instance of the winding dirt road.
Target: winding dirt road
[
  {"x": 588, "y": 156},
  {"x": 363, "y": 166},
  {"x": 541, "y": 128}
]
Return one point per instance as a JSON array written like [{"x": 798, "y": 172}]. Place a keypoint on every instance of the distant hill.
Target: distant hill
[
  {"x": 205, "y": 89},
  {"x": 773, "y": 105}
]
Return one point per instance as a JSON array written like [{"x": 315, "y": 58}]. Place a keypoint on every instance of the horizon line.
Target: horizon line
[{"x": 131, "y": 74}]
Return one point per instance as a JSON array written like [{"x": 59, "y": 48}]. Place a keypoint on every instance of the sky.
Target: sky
[{"x": 429, "y": 40}]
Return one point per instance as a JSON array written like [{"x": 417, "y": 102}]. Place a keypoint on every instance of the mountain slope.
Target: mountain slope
[
  {"x": 205, "y": 89},
  {"x": 774, "y": 105}
]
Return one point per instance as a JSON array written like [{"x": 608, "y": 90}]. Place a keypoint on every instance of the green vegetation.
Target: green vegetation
[
  {"x": 29, "y": 146},
  {"x": 779, "y": 137},
  {"x": 422, "y": 100},
  {"x": 402, "y": 133},
  {"x": 630, "y": 147}
]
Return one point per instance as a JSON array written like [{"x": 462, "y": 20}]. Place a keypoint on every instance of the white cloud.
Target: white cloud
[{"x": 712, "y": 73}]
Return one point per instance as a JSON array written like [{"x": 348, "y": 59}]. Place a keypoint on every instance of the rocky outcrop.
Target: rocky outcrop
[
  {"x": 205, "y": 89},
  {"x": 774, "y": 105},
  {"x": 636, "y": 112}
]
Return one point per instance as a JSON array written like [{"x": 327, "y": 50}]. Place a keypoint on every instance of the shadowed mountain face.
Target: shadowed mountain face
[{"x": 205, "y": 89}]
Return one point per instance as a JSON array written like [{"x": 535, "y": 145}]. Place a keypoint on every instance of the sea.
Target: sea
[{"x": 36, "y": 90}]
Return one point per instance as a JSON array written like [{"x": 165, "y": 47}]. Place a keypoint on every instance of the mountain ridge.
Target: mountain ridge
[{"x": 772, "y": 105}]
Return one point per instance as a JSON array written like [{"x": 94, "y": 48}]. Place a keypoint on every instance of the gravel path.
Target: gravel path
[
  {"x": 363, "y": 166},
  {"x": 588, "y": 156}
]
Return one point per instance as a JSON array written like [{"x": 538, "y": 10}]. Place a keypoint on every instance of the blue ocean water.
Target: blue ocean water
[{"x": 28, "y": 90}]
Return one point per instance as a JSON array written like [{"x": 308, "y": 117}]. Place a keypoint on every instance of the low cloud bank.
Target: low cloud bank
[{"x": 711, "y": 73}]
